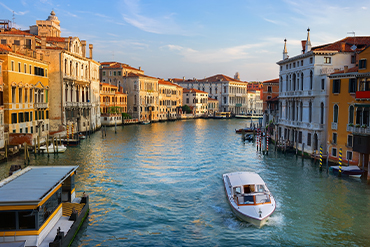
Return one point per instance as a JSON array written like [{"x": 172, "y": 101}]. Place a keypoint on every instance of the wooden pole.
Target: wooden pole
[
  {"x": 340, "y": 163},
  {"x": 6, "y": 150},
  {"x": 38, "y": 143},
  {"x": 302, "y": 150},
  {"x": 25, "y": 153},
  {"x": 53, "y": 144},
  {"x": 47, "y": 146}
]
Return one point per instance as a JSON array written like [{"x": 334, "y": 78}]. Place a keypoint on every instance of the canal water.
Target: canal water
[{"x": 161, "y": 185}]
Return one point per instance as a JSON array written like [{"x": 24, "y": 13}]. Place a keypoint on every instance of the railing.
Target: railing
[
  {"x": 334, "y": 126},
  {"x": 41, "y": 105},
  {"x": 350, "y": 127},
  {"x": 360, "y": 130},
  {"x": 71, "y": 104}
]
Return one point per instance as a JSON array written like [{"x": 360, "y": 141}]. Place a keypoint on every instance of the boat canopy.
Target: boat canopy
[
  {"x": 32, "y": 184},
  {"x": 244, "y": 178}
]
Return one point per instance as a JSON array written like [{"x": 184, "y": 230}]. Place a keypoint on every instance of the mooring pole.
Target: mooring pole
[
  {"x": 320, "y": 157},
  {"x": 340, "y": 163},
  {"x": 267, "y": 143}
]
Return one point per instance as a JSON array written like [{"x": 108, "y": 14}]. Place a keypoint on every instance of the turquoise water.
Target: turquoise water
[{"x": 161, "y": 185}]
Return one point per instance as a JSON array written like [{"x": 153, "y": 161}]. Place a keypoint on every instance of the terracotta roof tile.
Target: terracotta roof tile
[
  {"x": 192, "y": 90},
  {"x": 350, "y": 70},
  {"x": 272, "y": 81},
  {"x": 344, "y": 45},
  {"x": 5, "y": 48}
]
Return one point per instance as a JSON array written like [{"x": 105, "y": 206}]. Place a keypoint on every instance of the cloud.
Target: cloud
[
  {"x": 164, "y": 24},
  {"x": 16, "y": 13},
  {"x": 221, "y": 55}
]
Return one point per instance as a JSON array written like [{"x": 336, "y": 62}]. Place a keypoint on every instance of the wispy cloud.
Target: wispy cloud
[
  {"x": 15, "y": 12},
  {"x": 221, "y": 55},
  {"x": 164, "y": 24}
]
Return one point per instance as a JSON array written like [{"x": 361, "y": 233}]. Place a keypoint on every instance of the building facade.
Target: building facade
[
  {"x": 230, "y": 93},
  {"x": 196, "y": 99},
  {"x": 114, "y": 73},
  {"x": 3, "y": 135},
  {"x": 270, "y": 94},
  {"x": 170, "y": 100},
  {"x": 213, "y": 106},
  {"x": 25, "y": 96},
  {"x": 304, "y": 85}
]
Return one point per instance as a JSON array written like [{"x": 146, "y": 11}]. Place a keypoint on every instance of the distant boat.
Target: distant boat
[
  {"x": 145, "y": 122},
  {"x": 249, "y": 197},
  {"x": 353, "y": 171},
  {"x": 50, "y": 149},
  {"x": 239, "y": 131}
]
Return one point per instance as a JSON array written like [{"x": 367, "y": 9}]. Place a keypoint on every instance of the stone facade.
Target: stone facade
[
  {"x": 196, "y": 99},
  {"x": 170, "y": 100},
  {"x": 230, "y": 93}
]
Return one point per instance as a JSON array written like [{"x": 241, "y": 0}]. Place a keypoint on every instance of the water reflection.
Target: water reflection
[{"x": 160, "y": 184}]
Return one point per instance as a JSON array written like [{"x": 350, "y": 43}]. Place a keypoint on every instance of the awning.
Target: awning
[{"x": 362, "y": 105}]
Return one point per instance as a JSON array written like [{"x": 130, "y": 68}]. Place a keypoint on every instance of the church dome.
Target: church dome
[{"x": 52, "y": 16}]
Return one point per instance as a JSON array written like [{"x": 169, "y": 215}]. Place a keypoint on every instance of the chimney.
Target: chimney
[
  {"x": 13, "y": 47},
  {"x": 43, "y": 42},
  {"x": 91, "y": 50},
  {"x": 345, "y": 69},
  {"x": 303, "y": 46},
  {"x": 183, "y": 78},
  {"x": 343, "y": 47},
  {"x": 139, "y": 68},
  {"x": 83, "y": 43}
]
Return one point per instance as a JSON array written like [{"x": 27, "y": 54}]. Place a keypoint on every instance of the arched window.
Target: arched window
[
  {"x": 65, "y": 66},
  {"x": 302, "y": 81},
  {"x": 294, "y": 81},
  {"x": 310, "y": 112},
  {"x": 335, "y": 113},
  {"x": 311, "y": 79},
  {"x": 351, "y": 114},
  {"x": 286, "y": 83},
  {"x": 280, "y": 84},
  {"x": 301, "y": 112}
]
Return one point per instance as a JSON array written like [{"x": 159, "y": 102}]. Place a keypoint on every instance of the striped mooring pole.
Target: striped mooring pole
[
  {"x": 267, "y": 143},
  {"x": 257, "y": 138},
  {"x": 260, "y": 141},
  {"x": 340, "y": 163},
  {"x": 320, "y": 158}
]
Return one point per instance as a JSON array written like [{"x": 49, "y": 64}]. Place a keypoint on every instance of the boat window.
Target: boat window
[
  {"x": 248, "y": 199},
  {"x": 237, "y": 190},
  {"x": 249, "y": 188},
  {"x": 261, "y": 198},
  {"x": 260, "y": 188},
  {"x": 7, "y": 220},
  {"x": 27, "y": 220}
]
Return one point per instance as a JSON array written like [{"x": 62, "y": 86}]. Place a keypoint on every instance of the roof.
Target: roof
[
  {"x": 210, "y": 99},
  {"x": 131, "y": 74},
  {"x": 344, "y": 45},
  {"x": 33, "y": 183},
  {"x": 55, "y": 39},
  {"x": 163, "y": 82},
  {"x": 17, "y": 32},
  {"x": 274, "y": 99},
  {"x": 117, "y": 65},
  {"x": 107, "y": 84},
  {"x": 219, "y": 77},
  {"x": 5, "y": 48},
  {"x": 350, "y": 70},
  {"x": 272, "y": 81},
  {"x": 244, "y": 178},
  {"x": 192, "y": 90}
]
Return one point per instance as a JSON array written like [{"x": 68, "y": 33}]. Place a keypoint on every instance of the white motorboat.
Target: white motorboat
[
  {"x": 50, "y": 149},
  {"x": 249, "y": 197}
]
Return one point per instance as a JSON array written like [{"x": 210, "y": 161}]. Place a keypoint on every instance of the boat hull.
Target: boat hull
[{"x": 347, "y": 170}]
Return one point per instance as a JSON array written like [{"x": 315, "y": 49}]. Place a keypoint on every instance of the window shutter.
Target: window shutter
[{"x": 339, "y": 86}]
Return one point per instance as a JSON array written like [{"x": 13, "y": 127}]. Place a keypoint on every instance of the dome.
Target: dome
[{"x": 52, "y": 16}]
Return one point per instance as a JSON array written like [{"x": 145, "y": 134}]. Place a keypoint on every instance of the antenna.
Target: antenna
[{"x": 13, "y": 20}]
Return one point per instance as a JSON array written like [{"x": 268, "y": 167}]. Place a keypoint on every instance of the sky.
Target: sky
[{"x": 197, "y": 38}]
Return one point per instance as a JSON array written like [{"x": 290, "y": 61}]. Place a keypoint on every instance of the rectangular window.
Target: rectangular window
[
  {"x": 353, "y": 59},
  {"x": 31, "y": 117},
  {"x": 13, "y": 95},
  {"x": 19, "y": 67},
  {"x": 336, "y": 86},
  {"x": 334, "y": 138},
  {"x": 20, "y": 117},
  {"x": 114, "y": 73},
  {"x": 20, "y": 95},
  {"x": 31, "y": 93},
  {"x": 14, "y": 118},
  {"x": 362, "y": 64},
  {"x": 30, "y": 70},
  {"x": 47, "y": 114},
  {"x": 35, "y": 115},
  {"x": 327, "y": 60},
  {"x": 224, "y": 89},
  {"x": 8, "y": 221},
  {"x": 352, "y": 85},
  {"x": 322, "y": 84},
  {"x": 349, "y": 155},
  {"x": 26, "y": 116},
  {"x": 103, "y": 73},
  {"x": 16, "y": 42},
  {"x": 26, "y": 130},
  {"x": 269, "y": 89},
  {"x": 42, "y": 115},
  {"x": 309, "y": 139},
  {"x": 334, "y": 152},
  {"x": 3, "y": 41},
  {"x": 349, "y": 140},
  {"x": 31, "y": 129},
  {"x": 12, "y": 65},
  {"x": 25, "y": 68},
  {"x": 301, "y": 62},
  {"x": 119, "y": 73},
  {"x": 300, "y": 136},
  {"x": 311, "y": 60}
]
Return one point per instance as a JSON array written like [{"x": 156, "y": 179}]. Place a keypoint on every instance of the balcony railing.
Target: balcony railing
[
  {"x": 334, "y": 126},
  {"x": 40, "y": 105},
  {"x": 359, "y": 129}
]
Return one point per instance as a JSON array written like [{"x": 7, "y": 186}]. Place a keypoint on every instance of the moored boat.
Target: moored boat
[
  {"x": 50, "y": 149},
  {"x": 239, "y": 131},
  {"x": 40, "y": 206},
  {"x": 249, "y": 197},
  {"x": 353, "y": 171},
  {"x": 145, "y": 122}
]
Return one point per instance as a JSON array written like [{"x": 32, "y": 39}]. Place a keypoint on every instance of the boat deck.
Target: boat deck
[{"x": 64, "y": 225}]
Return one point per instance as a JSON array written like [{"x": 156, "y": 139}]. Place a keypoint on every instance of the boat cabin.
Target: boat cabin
[
  {"x": 31, "y": 202},
  {"x": 250, "y": 191}
]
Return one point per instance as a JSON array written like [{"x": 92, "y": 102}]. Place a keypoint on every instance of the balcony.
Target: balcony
[
  {"x": 334, "y": 126},
  {"x": 363, "y": 95},
  {"x": 40, "y": 105},
  {"x": 362, "y": 130}
]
